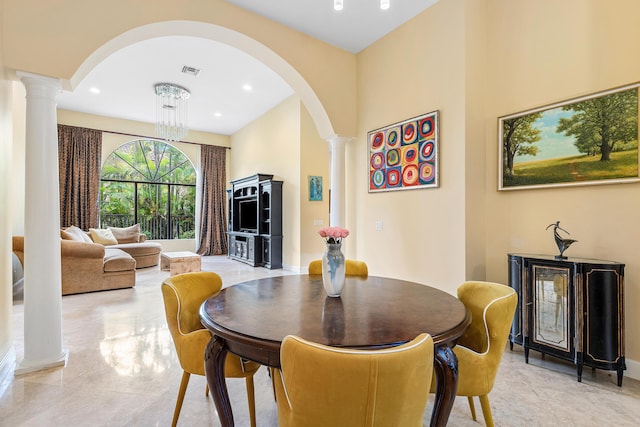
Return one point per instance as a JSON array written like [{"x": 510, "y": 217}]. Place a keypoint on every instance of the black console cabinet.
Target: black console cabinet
[
  {"x": 255, "y": 221},
  {"x": 570, "y": 308}
]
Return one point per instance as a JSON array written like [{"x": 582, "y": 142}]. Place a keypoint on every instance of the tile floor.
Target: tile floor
[{"x": 123, "y": 371}]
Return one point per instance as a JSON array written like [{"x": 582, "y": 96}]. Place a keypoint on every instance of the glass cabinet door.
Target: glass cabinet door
[{"x": 550, "y": 300}]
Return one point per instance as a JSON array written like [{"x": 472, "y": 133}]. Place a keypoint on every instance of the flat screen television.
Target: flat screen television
[{"x": 248, "y": 215}]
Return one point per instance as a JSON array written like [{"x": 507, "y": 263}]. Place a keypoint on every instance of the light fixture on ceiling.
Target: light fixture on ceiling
[
  {"x": 171, "y": 111},
  {"x": 339, "y": 4}
]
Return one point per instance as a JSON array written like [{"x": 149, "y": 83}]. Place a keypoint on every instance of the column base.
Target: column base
[{"x": 26, "y": 367}]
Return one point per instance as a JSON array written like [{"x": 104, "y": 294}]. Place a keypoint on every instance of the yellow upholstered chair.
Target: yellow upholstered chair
[
  {"x": 480, "y": 348},
  {"x": 328, "y": 386},
  {"x": 183, "y": 294},
  {"x": 352, "y": 267}
]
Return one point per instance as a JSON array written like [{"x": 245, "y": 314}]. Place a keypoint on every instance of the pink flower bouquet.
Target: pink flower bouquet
[{"x": 333, "y": 235}]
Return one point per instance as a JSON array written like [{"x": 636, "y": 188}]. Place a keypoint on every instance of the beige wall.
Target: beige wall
[
  {"x": 74, "y": 118},
  {"x": 475, "y": 61},
  {"x": 314, "y": 160},
  {"x": 417, "y": 69},
  {"x": 271, "y": 145},
  {"x": 547, "y": 51},
  {"x": 474, "y": 155}
]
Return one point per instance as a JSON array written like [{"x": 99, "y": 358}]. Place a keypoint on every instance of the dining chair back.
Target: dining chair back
[
  {"x": 319, "y": 385},
  {"x": 352, "y": 267},
  {"x": 183, "y": 294},
  {"x": 480, "y": 348}
]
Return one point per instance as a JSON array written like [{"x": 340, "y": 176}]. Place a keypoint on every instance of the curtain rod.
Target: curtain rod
[{"x": 152, "y": 137}]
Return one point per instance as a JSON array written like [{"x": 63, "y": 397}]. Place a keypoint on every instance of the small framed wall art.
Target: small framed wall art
[
  {"x": 315, "y": 188},
  {"x": 404, "y": 155}
]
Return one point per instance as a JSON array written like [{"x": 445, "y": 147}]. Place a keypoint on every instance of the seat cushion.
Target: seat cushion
[
  {"x": 140, "y": 249},
  {"x": 117, "y": 260}
]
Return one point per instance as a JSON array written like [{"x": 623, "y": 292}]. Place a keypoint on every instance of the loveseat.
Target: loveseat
[{"x": 88, "y": 266}]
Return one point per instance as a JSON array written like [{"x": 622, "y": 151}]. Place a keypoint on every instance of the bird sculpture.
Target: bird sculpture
[{"x": 563, "y": 244}]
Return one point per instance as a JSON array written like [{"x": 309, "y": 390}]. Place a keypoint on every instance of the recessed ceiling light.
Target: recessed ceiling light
[
  {"x": 94, "y": 90},
  {"x": 217, "y": 114},
  {"x": 247, "y": 87}
]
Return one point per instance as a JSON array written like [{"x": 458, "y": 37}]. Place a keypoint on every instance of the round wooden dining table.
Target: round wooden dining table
[{"x": 251, "y": 319}]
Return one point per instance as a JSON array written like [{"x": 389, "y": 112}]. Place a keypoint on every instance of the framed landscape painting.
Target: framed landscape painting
[
  {"x": 404, "y": 155},
  {"x": 582, "y": 141}
]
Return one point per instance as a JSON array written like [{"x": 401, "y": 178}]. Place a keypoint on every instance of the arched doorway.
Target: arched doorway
[{"x": 224, "y": 35}]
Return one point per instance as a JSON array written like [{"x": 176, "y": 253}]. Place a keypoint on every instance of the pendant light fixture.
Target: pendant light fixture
[{"x": 171, "y": 111}]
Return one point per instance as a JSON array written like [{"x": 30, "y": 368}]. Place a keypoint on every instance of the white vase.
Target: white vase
[{"x": 333, "y": 270}]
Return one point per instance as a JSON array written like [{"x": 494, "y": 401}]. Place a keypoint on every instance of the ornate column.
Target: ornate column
[
  {"x": 337, "y": 146},
  {"x": 42, "y": 270}
]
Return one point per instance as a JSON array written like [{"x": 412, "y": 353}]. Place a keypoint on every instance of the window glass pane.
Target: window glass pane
[
  {"x": 173, "y": 167},
  {"x": 153, "y": 169},
  {"x": 183, "y": 205},
  {"x": 152, "y": 210},
  {"x": 117, "y": 206},
  {"x": 149, "y": 161}
]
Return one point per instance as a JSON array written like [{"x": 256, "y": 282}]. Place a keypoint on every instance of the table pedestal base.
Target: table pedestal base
[
  {"x": 214, "y": 360},
  {"x": 446, "y": 367}
]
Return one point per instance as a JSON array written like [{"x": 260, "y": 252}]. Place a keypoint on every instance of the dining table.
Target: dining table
[{"x": 250, "y": 319}]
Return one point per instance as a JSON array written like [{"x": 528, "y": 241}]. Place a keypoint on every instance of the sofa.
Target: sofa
[{"x": 89, "y": 265}]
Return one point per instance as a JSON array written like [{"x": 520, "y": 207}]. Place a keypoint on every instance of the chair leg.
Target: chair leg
[
  {"x": 472, "y": 407},
  {"x": 251, "y": 398},
  {"x": 273, "y": 384},
  {"x": 183, "y": 389},
  {"x": 486, "y": 410},
  {"x": 206, "y": 390}
]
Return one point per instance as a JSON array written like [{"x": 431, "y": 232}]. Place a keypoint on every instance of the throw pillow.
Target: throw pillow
[
  {"x": 76, "y": 234},
  {"x": 126, "y": 235},
  {"x": 102, "y": 236}
]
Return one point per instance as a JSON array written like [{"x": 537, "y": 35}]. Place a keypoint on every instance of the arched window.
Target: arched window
[{"x": 151, "y": 183}]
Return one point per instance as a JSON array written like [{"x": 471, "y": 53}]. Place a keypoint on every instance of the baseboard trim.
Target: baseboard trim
[
  {"x": 295, "y": 269},
  {"x": 633, "y": 369}
]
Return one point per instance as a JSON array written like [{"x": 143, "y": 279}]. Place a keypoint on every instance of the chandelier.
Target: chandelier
[{"x": 171, "y": 111}]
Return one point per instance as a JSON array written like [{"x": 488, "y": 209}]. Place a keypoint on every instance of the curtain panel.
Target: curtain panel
[
  {"x": 213, "y": 217},
  {"x": 79, "y": 161}
]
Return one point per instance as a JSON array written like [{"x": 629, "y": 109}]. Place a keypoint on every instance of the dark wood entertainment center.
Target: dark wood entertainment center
[{"x": 255, "y": 221}]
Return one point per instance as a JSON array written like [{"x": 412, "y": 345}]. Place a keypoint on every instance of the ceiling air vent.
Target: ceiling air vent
[{"x": 190, "y": 70}]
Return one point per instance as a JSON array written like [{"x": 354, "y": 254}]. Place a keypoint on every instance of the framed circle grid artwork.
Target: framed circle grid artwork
[{"x": 404, "y": 156}]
